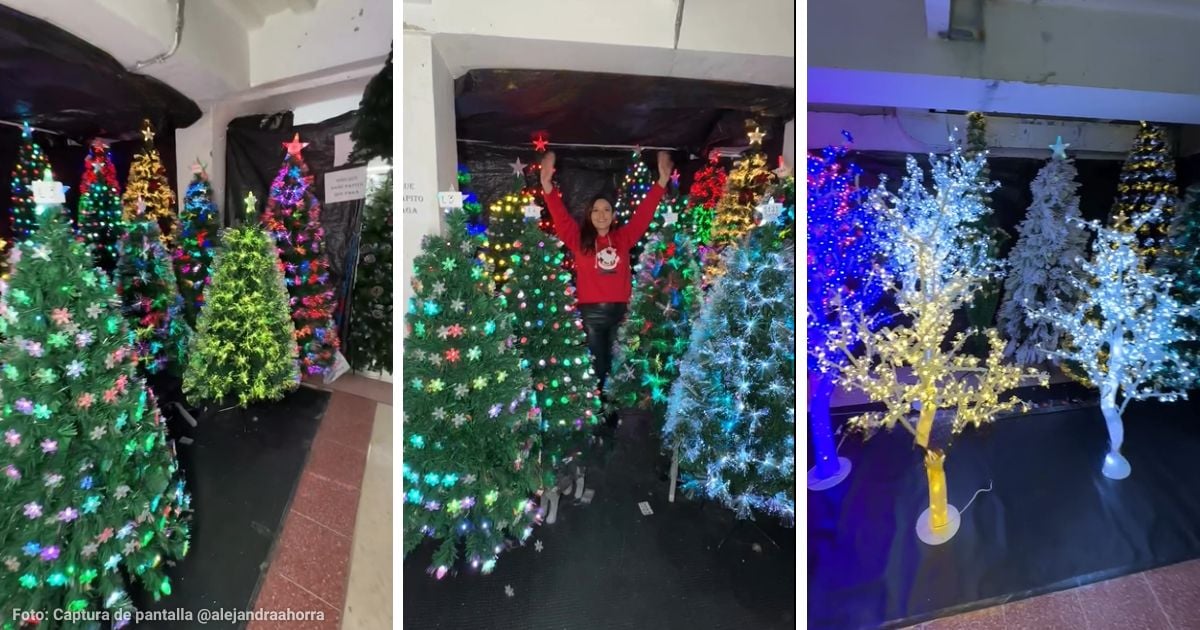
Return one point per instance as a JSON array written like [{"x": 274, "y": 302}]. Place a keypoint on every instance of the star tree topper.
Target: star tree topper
[
  {"x": 517, "y": 167},
  {"x": 1060, "y": 149},
  {"x": 295, "y": 146}
]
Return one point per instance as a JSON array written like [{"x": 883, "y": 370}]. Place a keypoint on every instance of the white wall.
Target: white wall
[{"x": 336, "y": 33}]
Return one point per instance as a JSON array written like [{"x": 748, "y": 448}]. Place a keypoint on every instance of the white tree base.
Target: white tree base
[
  {"x": 1116, "y": 466},
  {"x": 818, "y": 484},
  {"x": 930, "y": 537}
]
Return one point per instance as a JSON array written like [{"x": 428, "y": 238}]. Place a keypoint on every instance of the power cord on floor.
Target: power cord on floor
[{"x": 977, "y": 493}]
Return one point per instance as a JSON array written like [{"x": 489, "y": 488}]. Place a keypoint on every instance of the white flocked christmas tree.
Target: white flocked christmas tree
[
  {"x": 1122, "y": 331},
  {"x": 1050, "y": 245}
]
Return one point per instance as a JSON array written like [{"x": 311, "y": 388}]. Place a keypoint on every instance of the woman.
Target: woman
[{"x": 603, "y": 276}]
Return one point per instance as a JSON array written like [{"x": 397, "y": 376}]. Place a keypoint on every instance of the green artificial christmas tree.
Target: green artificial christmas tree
[
  {"x": 32, "y": 165},
  {"x": 244, "y": 346},
  {"x": 198, "y": 225},
  {"x": 293, "y": 217},
  {"x": 744, "y": 187},
  {"x": 92, "y": 498},
  {"x": 370, "y": 339},
  {"x": 372, "y": 133},
  {"x": 634, "y": 188},
  {"x": 150, "y": 298},
  {"x": 468, "y": 429},
  {"x": 1181, "y": 260},
  {"x": 100, "y": 222},
  {"x": 540, "y": 299},
  {"x": 981, "y": 313},
  {"x": 505, "y": 225},
  {"x": 148, "y": 183},
  {"x": 652, "y": 341},
  {"x": 1147, "y": 177},
  {"x": 707, "y": 188}
]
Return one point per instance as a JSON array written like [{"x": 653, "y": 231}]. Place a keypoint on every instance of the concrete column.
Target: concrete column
[{"x": 430, "y": 150}]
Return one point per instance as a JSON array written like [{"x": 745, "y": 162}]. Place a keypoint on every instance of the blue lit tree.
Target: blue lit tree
[
  {"x": 732, "y": 413},
  {"x": 198, "y": 226},
  {"x": 843, "y": 254}
]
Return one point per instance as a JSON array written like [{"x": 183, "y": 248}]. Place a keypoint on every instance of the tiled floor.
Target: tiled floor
[
  {"x": 1159, "y": 599},
  {"x": 334, "y": 554}
]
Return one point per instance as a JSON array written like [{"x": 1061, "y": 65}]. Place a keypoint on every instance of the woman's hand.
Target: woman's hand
[
  {"x": 665, "y": 166},
  {"x": 548, "y": 171}
]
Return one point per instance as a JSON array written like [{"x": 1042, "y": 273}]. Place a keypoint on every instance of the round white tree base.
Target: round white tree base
[
  {"x": 930, "y": 537},
  {"x": 817, "y": 484},
  {"x": 1116, "y": 466}
]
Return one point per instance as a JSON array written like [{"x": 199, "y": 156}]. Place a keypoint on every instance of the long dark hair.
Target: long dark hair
[{"x": 587, "y": 231}]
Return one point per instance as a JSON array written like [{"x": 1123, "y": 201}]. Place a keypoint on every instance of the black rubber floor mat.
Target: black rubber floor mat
[
  {"x": 605, "y": 565},
  {"x": 242, "y": 469},
  {"x": 1052, "y": 522}
]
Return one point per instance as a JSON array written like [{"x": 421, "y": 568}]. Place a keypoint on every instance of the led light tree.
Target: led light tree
[
  {"x": 468, "y": 475},
  {"x": 100, "y": 222},
  {"x": 540, "y": 300},
  {"x": 933, "y": 272},
  {"x": 93, "y": 500},
  {"x": 653, "y": 339},
  {"x": 844, "y": 249},
  {"x": 505, "y": 225},
  {"x": 198, "y": 226},
  {"x": 636, "y": 183},
  {"x": 148, "y": 182},
  {"x": 150, "y": 299},
  {"x": 1049, "y": 246},
  {"x": 732, "y": 414},
  {"x": 370, "y": 338},
  {"x": 744, "y": 188},
  {"x": 705, "y": 192},
  {"x": 293, "y": 217},
  {"x": 32, "y": 165},
  {"x": 1147, "y": 178},
  {"x": 244, "y": 347},
  {"x": 1123, "y": 329}
]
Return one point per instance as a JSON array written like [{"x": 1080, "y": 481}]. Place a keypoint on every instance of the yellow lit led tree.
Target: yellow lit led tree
[
  {"x": 745, "y": 187},
  {"x": 148, "y": 181},
  {"x": 933, "y": 274},
  {"x": 505, "y": 224}
]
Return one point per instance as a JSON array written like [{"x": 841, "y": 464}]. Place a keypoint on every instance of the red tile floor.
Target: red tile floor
[
  {"x": 1160, "y": 599},
  {"x": 310, "y": 567}
]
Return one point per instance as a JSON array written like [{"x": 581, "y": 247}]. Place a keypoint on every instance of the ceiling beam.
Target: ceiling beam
[{"x": 302, "y": 6}]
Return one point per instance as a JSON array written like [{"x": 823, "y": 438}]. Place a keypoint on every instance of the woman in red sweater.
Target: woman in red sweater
[{"x": 603, "y": 276}]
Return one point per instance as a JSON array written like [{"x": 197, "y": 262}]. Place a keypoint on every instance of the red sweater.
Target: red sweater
[{"x": 604, "y": 280}]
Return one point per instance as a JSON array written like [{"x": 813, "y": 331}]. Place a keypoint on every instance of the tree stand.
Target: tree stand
[
  {"x": 939, "y": 522},
  {"x": 739, "y": 524},
  {"x": 674, "y": 474},
  {"x": 1115, "y": 465}
]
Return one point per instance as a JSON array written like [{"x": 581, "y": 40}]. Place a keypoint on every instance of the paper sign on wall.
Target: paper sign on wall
[
  {"x": 342, "y": 145},
  {"x": 48, "y": 193},
  {"x": 452, "y": 199},
  {"x": 346, "y": 185}
]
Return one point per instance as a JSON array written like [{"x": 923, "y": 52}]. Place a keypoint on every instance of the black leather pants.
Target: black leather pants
[{"x": 600, "y": 322}]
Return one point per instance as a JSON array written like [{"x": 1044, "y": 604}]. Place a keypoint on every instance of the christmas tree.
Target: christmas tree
[
  {"x": 505, "y": 225},
  {"x": 32, "y": 164},
  {"x": 553, "y": 346},
  {"x": 844, "y": 251},
  {"x": 468, "y": 428},
  {"x": 100, "y": 222},
  {"x": 198, "y": 224},
  {"x": 150, "y": 298},
  {"x": 732, "y": 413},
  {"x": 636, "y": 183},
  {"x": 744, "y": 187},
  {"x": 707, "y": 187},
  {"x": 1049, "y": 249},
  {"x": 476, "y": 222},
  {"x": 93, "y": 500},
  {"x": 1147, "y": 177},
  {"x": 244, "y": 345},
  {"x": 293, "y": 217},
  {"x": 1123, "y": 329},
  {"x": 372, "y": 133},
  {"x": 148, "y": 182},
  {"x": 370, "y": 341},
  {"x": 654, "y": 337},
  {"x": 933, "y": 271},
  {"x": 1181, "y": 260},
  {"x": 981, "y": 310}
]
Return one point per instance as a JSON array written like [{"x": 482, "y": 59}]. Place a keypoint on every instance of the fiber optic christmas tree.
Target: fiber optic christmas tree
[
  {"x": 744, "y": 187},
  {"x": 1147, "y": 177},
  {"x": 100, "y": 222},
  {"x": 150, "y": 299},
  {"x": 244, "y": 346},
  {"x": 198, "y": 226},
  {"x": 93, "y": 500},
  {"x": 1123, "y": 329},
  {"x": 468, "y": 426},
  {"x": 370, "y": 339},
  {"x": 293, "y": 217},
  {"x": 1049, "y": 249},
  {"x": 933, "y": 271},
  {"x": 541, "y": 301},
  {"x": 148, "y": 182},
  {"x": 981, "y": 311},
  {"x": 1181, "y": 259},
  {"x": 844, "y": 253},
  {"x": 32, "y": 164},
  {"x": 732, "y": 413},
  {"x": 707, "y": 187},
  {"x": 654, "y": 337}
]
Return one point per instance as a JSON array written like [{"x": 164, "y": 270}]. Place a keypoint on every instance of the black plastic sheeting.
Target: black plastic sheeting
[
  {"x": 242, "y": 471},
  {"x": 1052, "y": 521},
  {"x": 254, "y": 154},
  {"x": 61, "y": 83},
  {"x": 511, "y": 107}
]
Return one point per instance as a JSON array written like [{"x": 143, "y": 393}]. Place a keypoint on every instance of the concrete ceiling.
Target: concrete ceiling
[{"x": 251, "y": 14}]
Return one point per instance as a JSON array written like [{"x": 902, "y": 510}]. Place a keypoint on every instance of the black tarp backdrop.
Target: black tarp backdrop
[
  {"x": 62, "y": 83},
  {"x": 254, "y": 154}
]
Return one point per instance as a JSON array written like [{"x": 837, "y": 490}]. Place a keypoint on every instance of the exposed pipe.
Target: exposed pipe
[
  {"x": 678, "y": 24},
  {"x": 174, "y": 47}
]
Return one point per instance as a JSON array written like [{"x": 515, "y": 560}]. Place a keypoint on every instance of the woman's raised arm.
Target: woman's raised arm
[{"x": 564, "y": 226}]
